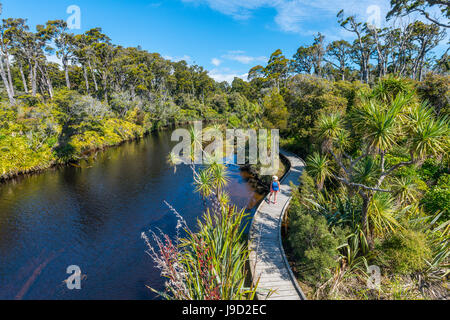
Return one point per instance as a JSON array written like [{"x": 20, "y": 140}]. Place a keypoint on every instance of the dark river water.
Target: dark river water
[{"x": 92, "y": 216}]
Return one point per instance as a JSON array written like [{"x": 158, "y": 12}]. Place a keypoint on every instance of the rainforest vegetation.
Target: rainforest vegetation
[{"x": 370, "y": 117}]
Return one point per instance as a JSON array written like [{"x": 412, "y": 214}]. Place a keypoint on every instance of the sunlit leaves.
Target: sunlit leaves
[
  {"x": 319, "y": 167},
  {"x": 428, "y": 134},
  {"x": 379, "y": 124},
  {"x": 382, "y": 214}
]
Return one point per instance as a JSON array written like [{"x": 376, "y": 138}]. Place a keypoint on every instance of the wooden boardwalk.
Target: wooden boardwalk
[{"x": 268, "y": 261}]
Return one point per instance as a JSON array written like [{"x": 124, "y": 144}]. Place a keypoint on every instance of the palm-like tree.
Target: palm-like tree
[
  {"x": 405, "y": 190},
  {"x": 329, "y": 128},
  {"x": 381, "y": 214},
  {"x": 382, "y": 123},
  {"x": 428, "y": 135},
  {"x": 216, "y": 127},
  {"x": 173, "y": 160},
  {"x": 196, "y": 141},
  {"x": 390, "y": 87},
  {"x": 379, "y": 124},
  {"x": 224, "y": 199},
  {"x": 219, "y": 177},
  {"x": 343, "y": 140},
  {"x": 366, "y": 172},
  {"x": 319, "y": 168},
  {"x": 203, "y": 183}
]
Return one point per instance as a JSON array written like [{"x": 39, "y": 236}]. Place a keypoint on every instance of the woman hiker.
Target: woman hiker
[{"x": 274, "y": 189}]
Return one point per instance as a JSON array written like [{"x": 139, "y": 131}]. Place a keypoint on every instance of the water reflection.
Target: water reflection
[{"x": 92, "y": 216}]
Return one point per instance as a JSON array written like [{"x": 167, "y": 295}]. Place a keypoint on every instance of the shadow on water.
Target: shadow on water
[{"x": 92, "y": 216}]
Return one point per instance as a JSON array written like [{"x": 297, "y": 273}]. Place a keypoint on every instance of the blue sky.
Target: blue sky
[{"x": 227, "y": 37}]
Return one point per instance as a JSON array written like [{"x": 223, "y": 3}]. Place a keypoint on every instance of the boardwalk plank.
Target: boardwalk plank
[{"x": 264, "y": 244}]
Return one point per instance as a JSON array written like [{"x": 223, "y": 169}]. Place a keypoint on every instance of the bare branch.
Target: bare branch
[
  {"x": 427, "y": 15},
  {"x": 340, "y": 163},
  {"x": 358, "y": 185},
  {"x": 359, "y": 159},
  {"x": 397, "y": 166}
]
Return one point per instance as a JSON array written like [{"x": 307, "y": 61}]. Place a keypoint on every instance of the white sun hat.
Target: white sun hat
[{"x": 275, "y": 178}]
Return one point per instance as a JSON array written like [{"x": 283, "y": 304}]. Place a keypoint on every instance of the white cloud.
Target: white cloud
[
  {"x": 294, "y": 15},
  {"x": 221, "y": 75},
  {"x": 227, "y": 74},
  {"x": 240, "y": 56},
  {"x": 216, "y": 62},
  {"x": 177, "y": 59}
]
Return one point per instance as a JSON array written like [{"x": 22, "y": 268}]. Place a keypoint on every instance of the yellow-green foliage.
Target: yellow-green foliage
[
  {"x": 405, "y": 252},
  {"x": 125, "y": 130},
  {"x": 87, "y": 141},
  {"x": 25, "y": 134},
  {"x": 34, "y": 137},
  {"x": 16, "y": 156},
  {"x": 111, "y": 132},
  {"x": 136, "y": 116},
  {"x": 276, "y": 113}
]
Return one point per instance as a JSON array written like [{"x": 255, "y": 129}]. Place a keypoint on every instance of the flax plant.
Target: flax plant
[{"x": 211, "y": 263}]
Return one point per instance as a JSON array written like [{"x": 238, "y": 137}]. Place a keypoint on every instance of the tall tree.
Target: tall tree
[
  {"x": 105, "y": 52},
  {"x": 382, "y": 48},
  {"x": 256, "y": 72},
  {"x": 5, "y": 47},
  {"x": 80, "y": 55},
  {"x": 93, "y": 37},
  {"x": 318, "y": 53},
  {"x": 401, "y": 37},
  {"x": 14, "y": 31},
  {"x": 308, "y": 59},
  {"x": 338, "y": 54},
  {"x": 277, "y": 68},
  {"x": 427, "y": 37},
  {"x": 303, "y": 60},
  {"x": 56, "y": 30},
  {"x": 363, "y": 45}
]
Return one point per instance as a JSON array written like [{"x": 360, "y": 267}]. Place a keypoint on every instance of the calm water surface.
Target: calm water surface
[{"x": 93, "y": 217}]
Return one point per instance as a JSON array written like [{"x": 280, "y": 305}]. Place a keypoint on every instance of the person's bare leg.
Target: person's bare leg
[{"x": 275, "y": 198}]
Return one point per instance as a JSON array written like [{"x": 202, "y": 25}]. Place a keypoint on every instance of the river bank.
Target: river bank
[{"x": 81, "y": 147}]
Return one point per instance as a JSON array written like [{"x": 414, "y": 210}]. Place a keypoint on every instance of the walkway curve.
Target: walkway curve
[{"x": 268, "y": 262}]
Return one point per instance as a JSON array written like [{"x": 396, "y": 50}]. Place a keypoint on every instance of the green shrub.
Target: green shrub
[
  {"x": 444, "y": 181},
  {"x": 389, "y": 87},
  {"x": 234, "y": 121},
  {"x": 313, "y": 245},
  {"x": 436, "y": 90},
  {"x": 431, "y": 170},
  {"x": 29, "y": 100},
  {"x": 405, "y": 252},
  {"x": 437, "y": 199}
]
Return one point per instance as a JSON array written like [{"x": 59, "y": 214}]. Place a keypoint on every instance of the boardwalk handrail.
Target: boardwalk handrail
[{"x": 290, "y": 286}]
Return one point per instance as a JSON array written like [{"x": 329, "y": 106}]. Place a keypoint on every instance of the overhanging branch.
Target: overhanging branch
[{"x": 359, "y": 185}]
